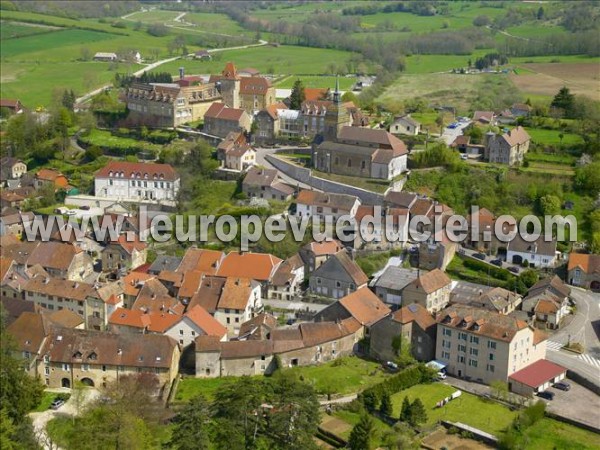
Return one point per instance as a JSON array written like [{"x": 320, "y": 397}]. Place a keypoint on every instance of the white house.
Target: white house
[
  {"x": 539, "y": 253},
  {"x": 405, "y": 125},
  {"x": 196, "y": 322},
  {"x": 129, "y": 181},
  {"x": 104, "y": 56}
]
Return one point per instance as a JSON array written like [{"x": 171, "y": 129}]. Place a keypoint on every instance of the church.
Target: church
[{"x": 357, "y": 151}]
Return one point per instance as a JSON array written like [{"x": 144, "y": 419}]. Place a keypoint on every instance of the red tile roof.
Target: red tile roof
[
  {"x": 206, "y": 322},
  {"x": 230, "y": 72},
  {"x": 538, "y": 373},
  {"x": 324, "y": 247},
  {"x": 254, "y": 86},
  {"x": 222, "y": 112},
  {"x": 365, "y": 306},
  {"x": 312, "y": 94},
  {"x": 256, "y": 266},
  {"x": 588, "y": 263},
  {"x": 126, "y": 170}
]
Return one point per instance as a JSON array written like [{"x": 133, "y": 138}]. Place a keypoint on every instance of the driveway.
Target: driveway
[
  {"x": 41, "y": 419},
  {"x": 450, "y": 134}
]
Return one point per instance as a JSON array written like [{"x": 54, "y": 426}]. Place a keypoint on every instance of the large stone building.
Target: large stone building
[
  {"x": 481, "y": 345},
  {"x": 62, "y": 357},
  {"x": 431, "y": 290},
  {"x": 170, "y": 104},
  {"x": 584, "y": 271},
  {"x": 508, "y": 148},
  {"x": 359, "y": 151},
  {"x": 220, "y": 120},
  {"x": 130, "y": 181},
  {"x": 250, "y": 93},
  {"x": 337, "y": 277}
]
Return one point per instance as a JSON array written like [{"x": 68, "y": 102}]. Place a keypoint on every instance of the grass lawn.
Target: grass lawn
[
  {"x": 468, "y": 409},
  {"x": 457, "y": 270},
  {"x": 344, "y": 376},
  {"x": 373, "y": 262},
  {"x": 11, "y": 30},
  {"x": 548, "y": 434},
  {"x": 286, "y": 59},
  {"x": 102, "y": 138},
  {"x": 352, "y": 418},
  {"x": 439, "y": 63},
  {"x": 369, "y": 184},
  {"x": 551, "y": 137},
  {"x": 191, "y": 387},
  {"x": 311, "y": 81}
]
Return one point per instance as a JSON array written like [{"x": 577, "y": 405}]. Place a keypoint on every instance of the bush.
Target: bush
[{"x": 403, "y": 380}]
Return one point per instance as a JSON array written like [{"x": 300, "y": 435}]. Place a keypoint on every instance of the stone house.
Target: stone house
[
  {"x": 101, "y": 303},
  {"x": 235, "y": 153},
  {"x": 250, "y": 93},
  {"x": 324, "y": 204},
  {"x": 287, "y": 280},
  {"x": 508, "y": 148},
  {"x": 363, "y": 152},
  {"x": 548, "y": 302},
  {"x": 52, "y": 177},
  {"x": 240, "y": 301},
  {"x": 12, "y": 105},
  {"x": 260, "y": 267},
  {"x": 390, "y": 284},
  {"x": 14, "y": 224},
  {"x": 266, "y": 183},
  {"x": 309, "y": 343},
  {"x": 484, "y": 117},
  {"x": 314, "y": 254},
  {"x": 337, "y": 277},
  {"x": 584, "y": 271},
  {"x": 499, "y": 300},
  {"x": 483, "y": 346},
  {"x": 430, "y": 290},
  {"x": 220, "y": 120},
  {"x": 521, "y": 109},
  {"x": 411, "y": 325},
  {"x": 405, "y": 125},
  {"x": 123, "y": 254},
  {"x": 379, "y": 228},
  {"x": 97, "y": 358},
  {"x": 540, "y": 253},
  {"x": 362, "y": 305},
  {"x": 61, "y": 260},
  {"x": 11, "y": 169},
  {"x": 259, "y": 327},
  {"x": 267, "y": 124}
]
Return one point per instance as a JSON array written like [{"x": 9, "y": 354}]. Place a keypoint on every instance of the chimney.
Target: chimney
[{"x": 181, "y": 73}]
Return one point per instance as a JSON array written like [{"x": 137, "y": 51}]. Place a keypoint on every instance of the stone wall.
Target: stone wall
[{"x": 305, "y": 176}]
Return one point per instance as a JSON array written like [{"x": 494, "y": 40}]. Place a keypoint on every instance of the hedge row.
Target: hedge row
[{"x": 403, "y": 380}]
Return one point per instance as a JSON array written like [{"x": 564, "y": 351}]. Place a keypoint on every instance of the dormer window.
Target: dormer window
[
  {"x": 93, "y": 356},
  {"x": 476, "y": 327},
  {"x": 447, "y": 319},
  {"x": 110, "y": 174},
  {"x": 77, "y": 355}
]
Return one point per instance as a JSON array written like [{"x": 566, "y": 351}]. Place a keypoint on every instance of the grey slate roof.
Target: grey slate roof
[
  {"x": 396, "y": 278},
  {"x": 164, "y": 262}
]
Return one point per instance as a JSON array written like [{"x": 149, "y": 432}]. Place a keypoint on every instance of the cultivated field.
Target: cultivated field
[
  {"x": 581, "y": 78},
  {"x": 315, "y": 81}
]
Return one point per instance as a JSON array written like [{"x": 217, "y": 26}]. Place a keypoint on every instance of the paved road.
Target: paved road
[
  {"x": 450, "y": 134},
  {"x": 583, "y": 327}
]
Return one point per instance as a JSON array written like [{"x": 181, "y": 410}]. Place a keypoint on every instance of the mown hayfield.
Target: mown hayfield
[
  {"x": 19, "y": 48},
  {"x": 286, "y": 59},
  {"x": 552, "y": 137}
]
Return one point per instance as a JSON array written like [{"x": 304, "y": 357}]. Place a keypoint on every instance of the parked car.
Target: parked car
[
  {"x": 441, "y": 376},
  {"x": 57, "y": 403},
  {"x": 562, "y": 385},
  {"x": 480, "y": 256},
  {"x": 496, "y": 262},
  {"x": 391, "y": 365},
  {"x": 464, "y": 157},
  {"x": 514, "y": 269},
  {"x": 85, "y": 208},
  {"x": 71, "y": 212},
  {"x": 452, "y": 126},
  {"x": 546, "y": 394}
]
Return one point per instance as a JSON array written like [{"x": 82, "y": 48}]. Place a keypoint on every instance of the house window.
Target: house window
[
  {"x": 47, "y": 370},
  {"x": 363, "y": 165},
  {"x": 462, "y": 348},
  {"x": 349, "y": 162},
  {"x": 462, "y": 336},
  {"x": 445, "y": 355},
  {"x": 446, "y": 332},
  {"x": 492, "y": 344},
  {"x": 180, "y": 332},
  {"x": 474, "y": 351},
  {"x": 474, "y": 340},
  {"x": 491, "y": 368},
  {"x": 65, "y": 367},
  {"x": 491, "y": 356},
  {"x": 85, "y": 367},
  {"x": 473, "y": 362},
  {"x": 103, "y": 368}
]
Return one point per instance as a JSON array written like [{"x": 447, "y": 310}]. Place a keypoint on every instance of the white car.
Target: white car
[
  {"x": 71, "y": 212},
  {"x": 441, "y": 376},
  {"x": 464, "y": 157}
]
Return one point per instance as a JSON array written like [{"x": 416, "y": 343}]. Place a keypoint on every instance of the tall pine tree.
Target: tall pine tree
[
  {"x": 386, "y": 404},
  {"x": 360, "y": 436},
  {"x": 297, "y": 96}
]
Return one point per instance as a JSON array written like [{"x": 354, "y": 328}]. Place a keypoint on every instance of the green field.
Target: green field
[
  {"x": 551, "y": 137},
  {"x": 286, "y": 59},
  {"x": 343, "y": 376},
  {"x": 12, "y": 30},
  {"x": 48, "y": 41},
  {"x": 439, "y": 63},
  {"x": 35, "y": 84},
  {"x": 469, "y": 409},
  {"x": 155, "y": 16},
  {"x": 310, "y": 81}
]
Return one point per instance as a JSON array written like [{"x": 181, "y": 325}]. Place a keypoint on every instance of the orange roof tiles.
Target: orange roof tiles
[
  {"x": 365, "y": 306},
  {"x": 235, "y": 294},
  {"x": 206, "y": 322},
  {"x": 127, "y": 170},
  {"x": 256, "y": 266}
]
